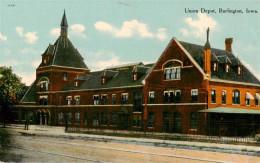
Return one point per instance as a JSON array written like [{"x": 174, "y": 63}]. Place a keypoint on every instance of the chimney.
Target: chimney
[
  {"x": 207, "y": 56},
  {"x": 228, "y": 43}
]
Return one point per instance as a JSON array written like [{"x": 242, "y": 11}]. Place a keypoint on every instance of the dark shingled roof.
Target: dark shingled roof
[
  {"x": 63, "y": 53},
  {"x": 123, "y": 78},
  {"x": 64, "y": 20},
  {"x": 30, "y": 95},
  {"x": 197, "y": 52}
]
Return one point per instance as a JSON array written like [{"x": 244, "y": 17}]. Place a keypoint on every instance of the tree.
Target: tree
[{"x": 10, "y": 87}]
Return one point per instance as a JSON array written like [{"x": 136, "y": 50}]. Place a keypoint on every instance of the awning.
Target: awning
[
  {"x": 228, "y": 110},
  {"x": 257, "y": 96},
  {"x": 249, "y": 96}
]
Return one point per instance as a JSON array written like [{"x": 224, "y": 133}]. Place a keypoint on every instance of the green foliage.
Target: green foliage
[{"x": 5, "y": 139}]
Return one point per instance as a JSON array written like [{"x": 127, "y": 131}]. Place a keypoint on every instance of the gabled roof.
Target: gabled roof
[
  {"x": 127, "y": 65},
  {"x": 64, "y": 54},
  {"x": 197, "y": 52},
  {"x": 30, "y": 95},
  {"x": 123, "y": 78}
]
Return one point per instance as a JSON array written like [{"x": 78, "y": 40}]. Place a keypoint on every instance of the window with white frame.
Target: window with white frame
[
  {"x": 96, "y": 99},
  {"x": 172, "y": 70},
  {"x": 124, "y": 98},
  {"x": 44, "y": 82},
  {"x": 224, "y": 96},
  {"x": 227, "y": 68},
  {"x": 239, "y": 70},
  {"x": 213, "y": 96},
  {"x": 77, "y": 118},
  {"x": 172, "y": 96},
  {"x": 135, "y": 76},
  {"x": 194, "y": 95},
  {"x": 65, "y": 76},
  {"x": 43, "y": 100},
  {"x": 77, "y": 99},
  {"x": 151, "y": 97},
  {"x": 69, "y": 100},
  {"x": 249, "y": 97},
  {"x": 214, "y": 66},
  {"x": 236, "y": 97},
  {"x": 257, "y": 98}
]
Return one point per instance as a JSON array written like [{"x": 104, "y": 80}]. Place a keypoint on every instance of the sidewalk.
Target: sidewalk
[{"x": 51, "y": 131}]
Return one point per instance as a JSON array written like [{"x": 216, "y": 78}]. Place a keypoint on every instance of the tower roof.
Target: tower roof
[{"x": 64, "y": 20}]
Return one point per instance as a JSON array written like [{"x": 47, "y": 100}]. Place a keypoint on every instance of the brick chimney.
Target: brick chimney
[
  {"x": 228, "y": 43},
  {"x": 207, "y": 56}
]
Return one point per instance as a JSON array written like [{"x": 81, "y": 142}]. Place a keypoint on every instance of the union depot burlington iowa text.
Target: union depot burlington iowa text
[{"x": 190, "y": 89}]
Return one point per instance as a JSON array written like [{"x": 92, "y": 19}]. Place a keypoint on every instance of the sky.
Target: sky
[{"x": 110, "y": 32}]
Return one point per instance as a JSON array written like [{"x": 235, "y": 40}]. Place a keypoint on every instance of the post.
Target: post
[
  {"x": 40, "y": 118},
  {"x": 45, "y": 115}
]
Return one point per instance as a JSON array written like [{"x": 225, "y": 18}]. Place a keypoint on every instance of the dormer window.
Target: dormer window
[
  {"x": 135, "y": 76},
  {"x": 103, "y": 80},
  {"x": 215, "y": 66},
  {"x": 227, "y": 68},
  {"x": 76, "y": 83},
  {"x": 239, "y": 70},
  {"x": 65, "y": 76},
  {"x": 44, "y": 61},
  {"x": 172, "y": 70}
]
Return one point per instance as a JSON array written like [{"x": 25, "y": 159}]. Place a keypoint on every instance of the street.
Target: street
[{"x": 54, "y": 149}]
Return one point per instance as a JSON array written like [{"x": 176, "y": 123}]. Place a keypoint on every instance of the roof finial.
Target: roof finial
[
  {"x": 208, "y": 34},
  {"x": 207, "y": 45}
]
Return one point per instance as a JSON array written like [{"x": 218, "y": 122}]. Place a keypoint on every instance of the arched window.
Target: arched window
[
  {"x": 44, "y": 84},
  {"x": 172, "y": 70},
  {"x": 236, "y": 97}
]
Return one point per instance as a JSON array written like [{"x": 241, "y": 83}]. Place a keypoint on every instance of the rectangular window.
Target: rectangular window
[
  {"x": 151, "y": 97},
  {"x": 65, "y": 76},
  {"x": 178, "y": 73},
  {"x": 177, "y": 96},
  {"x": 77, "y": 98},
  {"x": 113, "y": 99},
  {"x": 213, "y": 96},
  {"x": 194, "y": 96},
  {"x": 224, "y": 97},
  {"x": 247, "y": 102},
  {"x": 167, "y": 74},
  {"x": 60, "y": 115},
  {"x": 77, "y": 118},
  {"x": 151, "y": 119},
  {"x": 256, "y": 102},
  {"x": 113, "y": 118},
  {"x": 138, "y": 101},
  {"x": 236, "y": 97},
  {"x": 137, "y": 121},
  {"x": 124, "y": 98},
  {"x": 103, "y": 118},
  {"x": 104, "y": 99},
  {"x": 85, "y": 118},
  {"x": 69, "y": 118},
  {"x": 96, "y": 99},
  {"x": 95, "y": 118},
  {"x": 257, "y": 98},
  {"x": 43, "y": 100},
  {"x": 69, "y": 99},
  {"x": 172, "y": 73},
  {"x": 194, "y": 120}
]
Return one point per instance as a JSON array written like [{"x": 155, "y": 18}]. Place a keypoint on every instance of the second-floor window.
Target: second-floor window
[
  {"x": 43, "y": 100},
  {"x": 213, "y": 96},
  {"x": 104, "y": 99},
  {"x": 124, "y": 98},
  {"x": 194, "y": 96},
  {"x": 65, "y": 76},
  {"x": 236, "y": 97},
  {"x": 138, "y": 101},
  {"x": 172, "y": 96},
  {"x": 96, "y": 99},
  {"x": 77, "y": 98},
  {"x": 223, "y": 97},
  {"x": 113, "y": 99},
  {"x": 151, "y": 97},
  {"x": 69, "y": 100}
]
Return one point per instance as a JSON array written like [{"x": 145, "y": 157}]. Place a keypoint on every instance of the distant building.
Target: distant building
[{"x": 190, "y": 89}]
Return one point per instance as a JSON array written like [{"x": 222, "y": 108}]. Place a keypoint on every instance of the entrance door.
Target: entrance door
[{"x": 166, "y": 122}]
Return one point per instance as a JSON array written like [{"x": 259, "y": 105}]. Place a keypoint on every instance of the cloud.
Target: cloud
[
  {"x": 100, "y": 60},
  {"x": 197, "y": 27},
  {"x": 2, "y": 37},
  {"x": 30, "y": 37},
  {"x": 55, "y": 32},
  {"x": 128, "y": 29},
  {"x": 36, "y": 63},
  {"x": 28, "y": 51},
  {"x": 75, "y": 30},
  {"x": 161, "y": 35}
]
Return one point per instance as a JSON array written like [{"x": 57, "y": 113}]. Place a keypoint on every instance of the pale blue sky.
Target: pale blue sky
[{"x": 114, "y": 32}]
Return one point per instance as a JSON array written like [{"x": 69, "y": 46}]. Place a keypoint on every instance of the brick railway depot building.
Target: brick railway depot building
[{"x": 190, "y": 89}]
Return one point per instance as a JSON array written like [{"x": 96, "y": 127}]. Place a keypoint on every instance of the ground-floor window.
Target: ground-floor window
[
  {"x": 177, "y": 127},
  {"x": 137, "y": 121},
  {"x": 95, "y": 118},
  {"x": 60, "y": 116},
  {"x": 166, "y": 121},
  {"x": 77, "y": 118},
  {"x": 69, "y": 118},
  {"x": 85, "y": 118},
  {"x": 113, "y": 118},
  {"x": 151, "y": 119},
  {"x": 103, "y": 118},
  {"x": 194, "y": 120}
]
